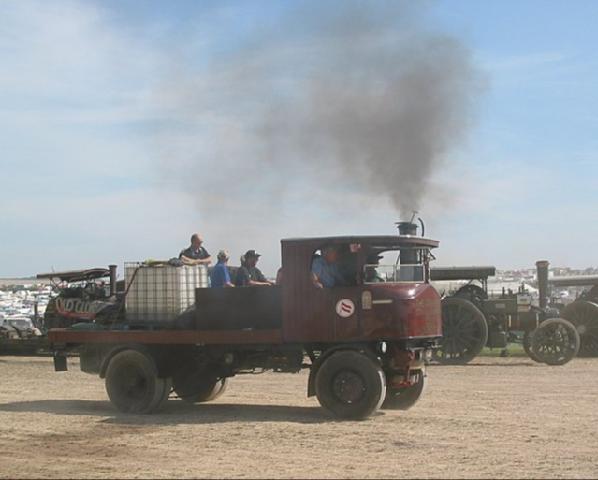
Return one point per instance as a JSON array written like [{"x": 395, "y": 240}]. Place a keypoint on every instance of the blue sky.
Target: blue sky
[{"x": 85, "y": 111}]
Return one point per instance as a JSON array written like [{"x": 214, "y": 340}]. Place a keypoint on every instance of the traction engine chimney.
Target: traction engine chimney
[
  {"x": 112, "y": 269},
  {"x": 542, "y": 274}
]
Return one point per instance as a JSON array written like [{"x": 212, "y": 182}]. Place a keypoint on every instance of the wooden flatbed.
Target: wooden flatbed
[{"x": 166, "y": 337}]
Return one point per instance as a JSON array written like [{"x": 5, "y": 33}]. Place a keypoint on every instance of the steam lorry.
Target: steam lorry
[{"x": 365, "y": 343}]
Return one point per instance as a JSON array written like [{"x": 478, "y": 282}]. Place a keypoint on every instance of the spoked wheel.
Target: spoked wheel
[
  {"x": 464, "y": 331},
  {"x": 133, "y": 385},
  {"x": 527, "y": 345},
  {"x": 403, "y": 398},
  {"x": 350, "y": 385},
  {"x": 198, "y": 386},
  {"x": 555, "y": 341},
  {"x": 584, "y": 315}
]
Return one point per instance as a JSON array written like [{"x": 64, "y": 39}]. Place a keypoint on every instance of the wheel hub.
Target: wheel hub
[
  {"x": 348, "y": 387},
  {"x": 134, "y": 384}
]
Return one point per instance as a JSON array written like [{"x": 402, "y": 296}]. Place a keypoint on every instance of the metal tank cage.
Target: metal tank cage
[{"x": 158, "y": 294}]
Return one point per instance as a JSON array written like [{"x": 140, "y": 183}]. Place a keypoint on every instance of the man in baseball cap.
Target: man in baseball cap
[
  {"x": 248, "y": 274},
  {"x": 220, "y": 276}
]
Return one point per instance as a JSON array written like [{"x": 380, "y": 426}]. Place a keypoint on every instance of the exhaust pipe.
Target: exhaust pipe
[
  {"x": 410, "y": 256},
  {"x": 407, "y": 228}
]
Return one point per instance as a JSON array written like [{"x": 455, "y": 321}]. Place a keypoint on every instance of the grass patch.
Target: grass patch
[{"x": 512, "y": 349}]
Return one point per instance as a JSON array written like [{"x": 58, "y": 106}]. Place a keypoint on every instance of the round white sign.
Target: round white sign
[{"x": 345, "y": 307}]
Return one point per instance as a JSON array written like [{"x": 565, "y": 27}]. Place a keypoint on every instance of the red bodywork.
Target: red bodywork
[{"x": 399, "y": 311}]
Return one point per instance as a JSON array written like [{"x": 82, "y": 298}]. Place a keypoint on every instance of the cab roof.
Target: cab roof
[{"x": 397, "y": 241}]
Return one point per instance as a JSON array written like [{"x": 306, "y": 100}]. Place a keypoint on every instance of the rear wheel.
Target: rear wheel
[
  {"x": 198, "y": 386},
  {"x": 584, "y": 315},
  {"x": 133, "y": 385},
  {"x": 464, "y": 331},
  {"x": 555, "y": 341},
  {"x": 350, "y": 385},
  {"x": 403, "y": 398}
]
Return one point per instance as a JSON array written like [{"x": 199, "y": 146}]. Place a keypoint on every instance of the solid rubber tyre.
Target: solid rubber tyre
[
  {"x": 350, "y": 385},
  {"x": 404, "y": 398},
  {"x": 133, "y": 385},
  {"x": 198, "y": 386},
  {"x": 167, "y": 389}
]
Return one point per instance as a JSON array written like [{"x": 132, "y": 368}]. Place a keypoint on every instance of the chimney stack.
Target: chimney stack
[
  {"x": 112, "y": 279},
  {"x": 542, "y": 274}
]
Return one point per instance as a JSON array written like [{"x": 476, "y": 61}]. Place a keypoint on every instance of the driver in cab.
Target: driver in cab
[{"x": 325, "y": 270}]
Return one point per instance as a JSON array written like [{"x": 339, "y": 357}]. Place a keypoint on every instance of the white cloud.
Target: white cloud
[
  {"x": 70, "y": 82},
  {"x": 66, "y": 49}
]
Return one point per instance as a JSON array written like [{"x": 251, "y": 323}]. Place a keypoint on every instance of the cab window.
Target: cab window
[{"x": 384, "y": 267}]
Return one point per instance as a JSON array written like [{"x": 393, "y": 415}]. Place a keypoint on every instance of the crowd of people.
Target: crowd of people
[{"x": 333, "y": 266}]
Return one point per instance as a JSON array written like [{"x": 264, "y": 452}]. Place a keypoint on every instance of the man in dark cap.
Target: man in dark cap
[{"x": 248, "y": 274}]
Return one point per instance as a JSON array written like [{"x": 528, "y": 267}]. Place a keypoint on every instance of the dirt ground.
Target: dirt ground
[{"x": 500, "y": 417}]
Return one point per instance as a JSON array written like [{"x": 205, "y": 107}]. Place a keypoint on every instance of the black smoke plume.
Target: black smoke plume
[{"x": 338, "y": 96}]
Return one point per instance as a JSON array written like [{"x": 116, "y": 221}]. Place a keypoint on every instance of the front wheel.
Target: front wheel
[
  {"x": 350, "y": 385},
  {"x": 555, "y": 341},
  {"x": 403, "y": 398},
  {"x": 133, "y": 385}
]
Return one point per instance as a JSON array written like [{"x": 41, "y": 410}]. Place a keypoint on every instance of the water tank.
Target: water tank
[{"x": 158, "y": 294}]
